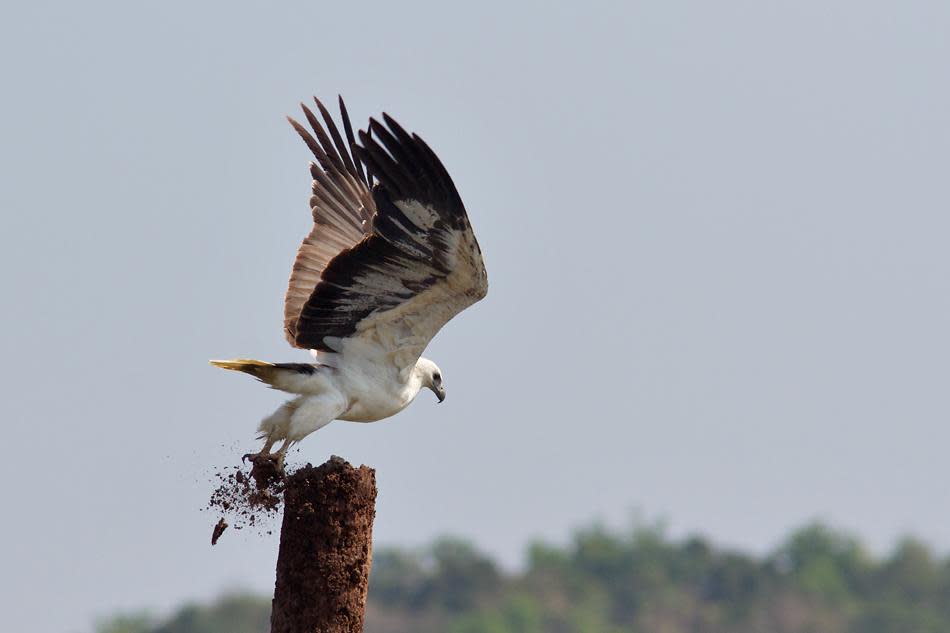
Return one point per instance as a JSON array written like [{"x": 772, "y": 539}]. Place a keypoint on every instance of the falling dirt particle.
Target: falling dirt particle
[
  {"x": 219, "y": 529},
  {"x": 248, "y": 499}
]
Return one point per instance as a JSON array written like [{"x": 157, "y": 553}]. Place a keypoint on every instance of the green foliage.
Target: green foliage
[
  {"x": 825, "y": 563},
  {"x": 140, "y": 622},
  {"x": 462, "y": 576},
  {"x": 399, "y": 578},
  {"x": 912, "y": 574},
  {"x": 232, "y": 613},
  {"x": 237, "y": 613},
  {"x": 451, "y": 575},
  {"x": 519, "y": 614},
  {"x": 890, "y": 617},
  {"x": 641, "y": 581}
]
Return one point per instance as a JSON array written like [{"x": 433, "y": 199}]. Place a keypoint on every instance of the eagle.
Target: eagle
[{"x": 391, "y": 258}]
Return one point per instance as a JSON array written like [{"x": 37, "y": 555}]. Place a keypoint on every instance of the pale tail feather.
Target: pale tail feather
[
  {"x": 240, "y": 364},
  {"x": 257, "y": 368},
  {"x": 289, "y": 377}
]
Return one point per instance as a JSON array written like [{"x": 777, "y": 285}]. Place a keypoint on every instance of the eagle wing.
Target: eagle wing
[
  {"x": 385, "y": 297},
  {"x": 342, "y": 207}
]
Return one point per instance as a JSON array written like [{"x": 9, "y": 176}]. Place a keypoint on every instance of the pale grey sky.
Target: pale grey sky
[{"x": 716, "y": 235}]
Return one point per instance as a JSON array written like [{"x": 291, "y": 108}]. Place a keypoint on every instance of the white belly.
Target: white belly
[{"x": 373, "y": 407}]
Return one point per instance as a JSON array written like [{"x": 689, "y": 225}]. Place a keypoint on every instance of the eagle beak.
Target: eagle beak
[{"x": 440, "y": 393}]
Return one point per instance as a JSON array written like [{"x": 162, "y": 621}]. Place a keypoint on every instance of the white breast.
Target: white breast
[{"x": 370, "y": 399}]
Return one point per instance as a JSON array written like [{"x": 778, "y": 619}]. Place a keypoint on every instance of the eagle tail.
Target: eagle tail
[
  {"x": 289, "y": 377},
  {"x": 257, "y": 368}
]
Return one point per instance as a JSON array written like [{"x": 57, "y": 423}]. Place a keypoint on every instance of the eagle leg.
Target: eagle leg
[{"x": 282, "y": 453}]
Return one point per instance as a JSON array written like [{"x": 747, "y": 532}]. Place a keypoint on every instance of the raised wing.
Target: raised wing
[
  {"x": 342, "y": 208},
  {"x": 393, "y": 291}
]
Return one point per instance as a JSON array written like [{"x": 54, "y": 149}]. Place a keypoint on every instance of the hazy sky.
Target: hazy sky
[{"x": 716, "y": 235}]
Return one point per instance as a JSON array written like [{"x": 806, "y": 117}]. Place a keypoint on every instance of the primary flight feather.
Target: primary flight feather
[{"x": 391, "y": 258}]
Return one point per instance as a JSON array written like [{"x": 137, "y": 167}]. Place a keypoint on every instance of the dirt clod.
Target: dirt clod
[
  {"x": 248, "y": 499},
  {"x": 265, "y": 471},
  {"x": 219, "y": 529}
]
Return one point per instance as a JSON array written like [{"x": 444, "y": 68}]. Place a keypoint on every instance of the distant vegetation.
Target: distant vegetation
[{"x": 819, "y": 581}]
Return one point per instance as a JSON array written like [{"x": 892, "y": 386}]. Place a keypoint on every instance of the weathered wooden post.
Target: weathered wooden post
[{"x": 325, "y": 549}]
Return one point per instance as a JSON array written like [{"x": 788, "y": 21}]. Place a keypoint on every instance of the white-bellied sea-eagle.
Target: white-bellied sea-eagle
[{"x": 391, "y": 259}]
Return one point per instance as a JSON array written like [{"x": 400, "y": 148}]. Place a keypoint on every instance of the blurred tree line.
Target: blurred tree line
[{"x": 819, "y": 581}]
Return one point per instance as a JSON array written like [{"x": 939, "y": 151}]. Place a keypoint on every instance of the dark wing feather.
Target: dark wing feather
[
  {"x": 342, "y": 208},
  {"x": 419, "y": 267}
]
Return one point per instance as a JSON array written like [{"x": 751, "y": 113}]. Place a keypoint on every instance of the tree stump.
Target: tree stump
[{"x": 325, "y": 549}]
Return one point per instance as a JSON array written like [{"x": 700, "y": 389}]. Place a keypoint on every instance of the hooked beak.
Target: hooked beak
[{"x": 440, "y": 393}]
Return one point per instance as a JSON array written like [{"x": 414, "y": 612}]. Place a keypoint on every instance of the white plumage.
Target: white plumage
[{"x": 391, "y": 259}]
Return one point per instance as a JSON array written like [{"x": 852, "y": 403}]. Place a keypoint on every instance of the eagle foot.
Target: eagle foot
[{"x": 254, "y": 457}]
